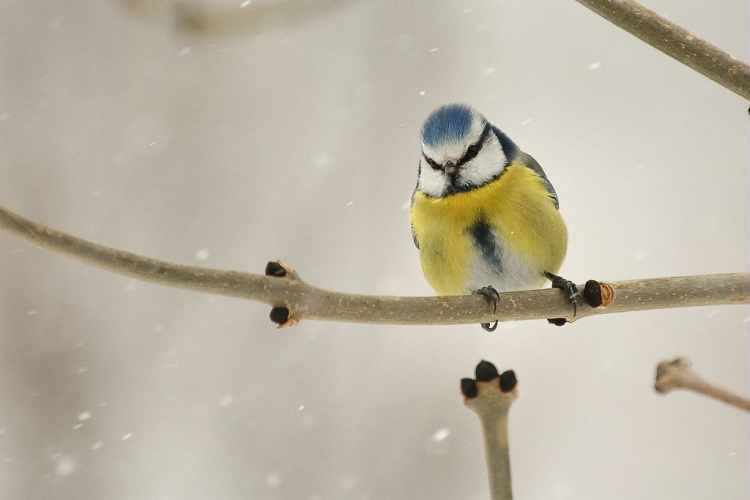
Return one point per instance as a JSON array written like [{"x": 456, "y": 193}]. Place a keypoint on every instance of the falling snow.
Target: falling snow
[
  {"x": 65, "y": 465},
  {"x": 273, "y": 479},
  {"x": 322, "y": 160},
  {"x": 441, "y": 435},
  {"x": 202, "y": 255}
]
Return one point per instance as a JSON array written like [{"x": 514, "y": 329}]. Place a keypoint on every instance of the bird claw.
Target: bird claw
[
  {"x": 571, "y": 292},
  {"x": 491, "y": 295}
]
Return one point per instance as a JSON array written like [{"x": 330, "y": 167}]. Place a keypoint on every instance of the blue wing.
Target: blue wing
[{"x": 530, "y": 162}]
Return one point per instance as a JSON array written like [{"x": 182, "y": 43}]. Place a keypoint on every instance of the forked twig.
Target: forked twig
[{"x": 490, "y": 396}]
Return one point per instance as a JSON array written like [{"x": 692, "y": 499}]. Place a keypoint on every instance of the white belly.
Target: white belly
[{"x": 513, "y": 273}]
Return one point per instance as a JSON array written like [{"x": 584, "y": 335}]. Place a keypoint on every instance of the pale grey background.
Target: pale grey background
[{"x": 296, "y": 137}]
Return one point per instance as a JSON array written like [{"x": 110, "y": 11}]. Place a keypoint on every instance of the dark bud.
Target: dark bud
[
  {"x": 275, "y": 269},
  {"x": 485, "y": 371},
  {"x": 557, "y": 321},
  {"x": 279, "y": 315},
  {"x": 508, "y": 381},
  {"x": 592, "y": 292},
  {"x": 469, "y": 388}
]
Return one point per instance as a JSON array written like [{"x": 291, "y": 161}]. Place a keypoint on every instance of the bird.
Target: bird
[{"x": 483, "y": 214}]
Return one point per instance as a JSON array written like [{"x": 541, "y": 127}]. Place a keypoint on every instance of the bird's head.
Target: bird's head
[{"x": 460, "y": 151}]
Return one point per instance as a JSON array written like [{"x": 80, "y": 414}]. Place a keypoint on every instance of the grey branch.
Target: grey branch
[
  {"x": 676, "y": 42},
  {"x": 678, "y": 374},
  {"x": 308, "y": 302}
]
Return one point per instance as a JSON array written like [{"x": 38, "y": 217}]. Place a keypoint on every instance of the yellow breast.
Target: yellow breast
[{"x": 530, "y": 233}]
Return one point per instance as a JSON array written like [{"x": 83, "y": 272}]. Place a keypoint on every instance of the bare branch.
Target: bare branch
[
  {"x": 676, "y": 42},
  {"x": 308, "y": 302},
  {"x": 678, "y": 374}
]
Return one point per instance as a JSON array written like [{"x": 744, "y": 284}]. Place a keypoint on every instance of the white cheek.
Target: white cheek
[
  {"x": 488, "y": 164},
  {"x": 432, "y": 182}
]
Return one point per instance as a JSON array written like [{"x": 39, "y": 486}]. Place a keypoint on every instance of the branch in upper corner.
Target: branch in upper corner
[
  {"x": 678, "y": 374},
  {"x": 676, "y": 42},
  {"x": 294, "y": 300}
]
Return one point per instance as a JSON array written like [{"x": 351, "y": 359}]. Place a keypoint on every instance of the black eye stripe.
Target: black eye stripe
[
  {"x": 473, "y": 150},
  {"x": 432, "y": 162}
]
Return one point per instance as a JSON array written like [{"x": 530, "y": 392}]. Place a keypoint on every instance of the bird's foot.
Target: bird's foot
[
  {"x": 492, "y": 296},
  {"x": 571, "y": 293}
]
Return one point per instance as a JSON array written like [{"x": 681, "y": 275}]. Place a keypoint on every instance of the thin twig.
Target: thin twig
[
  {"x": 676, "y": 42},
  {"x": 308, "y": 302},
  {"x": 678, "y": 374}
]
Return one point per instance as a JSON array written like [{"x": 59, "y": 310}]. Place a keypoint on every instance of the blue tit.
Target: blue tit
[{"x": 484, "y": 216}]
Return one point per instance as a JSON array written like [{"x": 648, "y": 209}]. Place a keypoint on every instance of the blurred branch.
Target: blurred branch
[
  {"x": 249, "y": 18},
  {"x": 303, "y": 301},
  {"x": 678, "y": 374},
  {"x": 490, "y": 395},
  {"x": 209, "y": 19},
  {"x": 676, "y": 42}
]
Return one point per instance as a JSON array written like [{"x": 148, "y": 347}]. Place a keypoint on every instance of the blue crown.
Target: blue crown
[{"x": 451, "y": 122}]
